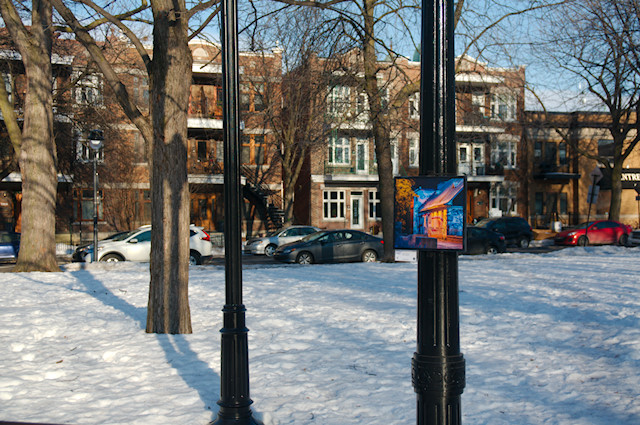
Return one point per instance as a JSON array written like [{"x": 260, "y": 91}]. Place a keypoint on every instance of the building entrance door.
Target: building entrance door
[{"x": 357, "y": 210}]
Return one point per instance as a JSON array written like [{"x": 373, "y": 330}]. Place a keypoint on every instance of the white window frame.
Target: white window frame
[
  {"x": 8, "y": 85},
  {"x": 330, "y": 198},
  {"x": 339, "y": 151},
  {"x": 414, "y": 106},
  {"x": 503, "y": 106},
  {"x": 88, "y": 90},
  {"x": 365, "y": 143},
  {"x": 507, "y": 150},
  {"x": 395, "y": 163},
  {"x": 478, "y": 100},
  {"x": 339, "y": 100},
  {"x": 414, "y": 152},
  {"x": 373, "y": 198},
  {"x": 507, "y": 191},
  {"x": 85, "y": 154}
]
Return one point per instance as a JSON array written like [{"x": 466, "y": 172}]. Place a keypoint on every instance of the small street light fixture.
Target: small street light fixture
[{"x": 96, "y": 140}]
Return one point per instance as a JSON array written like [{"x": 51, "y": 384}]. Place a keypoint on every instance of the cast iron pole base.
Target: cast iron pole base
[
  {"x": 439, "y": 382},
  {"x": 234, "y": 372}
]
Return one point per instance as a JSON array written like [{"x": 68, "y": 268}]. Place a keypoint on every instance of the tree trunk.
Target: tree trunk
[
  {"x": 38, "y": 154},
  {"x": 168, "y": 309},
  {"x": 380, "y": 133},
  {"x": 616, "y": 191}
]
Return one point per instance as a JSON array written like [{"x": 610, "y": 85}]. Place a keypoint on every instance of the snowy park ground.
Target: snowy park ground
[{"x": 548, "y": 339}]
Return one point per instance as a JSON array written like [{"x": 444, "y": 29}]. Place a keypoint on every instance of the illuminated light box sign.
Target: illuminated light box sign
[{"x": 430, "y": 213}]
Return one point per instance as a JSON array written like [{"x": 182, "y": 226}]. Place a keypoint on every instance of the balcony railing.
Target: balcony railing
[{"x": 351, "y": 169}]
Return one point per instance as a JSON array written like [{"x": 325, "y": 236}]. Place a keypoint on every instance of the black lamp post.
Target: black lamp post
[
  {"x": 438, "y": 368},
  {"x": 234, "y": 369},
  {"x": 95, "y": 143}
]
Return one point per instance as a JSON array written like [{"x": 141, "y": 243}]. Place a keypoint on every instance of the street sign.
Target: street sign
[{"x": 596, "y": 175}]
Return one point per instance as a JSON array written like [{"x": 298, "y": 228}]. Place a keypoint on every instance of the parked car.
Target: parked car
[
  {"x": 601, "y": 232},
  {"x": 267, "y": 245},
  {"x": 9, "y": 246},
  {"x": 81, "y": 250},
  {"x": 484, "y": 241},
  {"x": 634, "y": 238},
  {"x": 516, "y": 230},
  {"x": 332, "y": 245},
  {"x": 136, "y": 246}
]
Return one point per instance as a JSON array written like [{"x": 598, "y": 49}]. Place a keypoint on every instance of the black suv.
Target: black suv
[{"x": 516, "y": 230}]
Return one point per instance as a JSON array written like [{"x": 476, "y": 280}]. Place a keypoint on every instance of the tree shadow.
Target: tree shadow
[{"x": 194, "y": 372}]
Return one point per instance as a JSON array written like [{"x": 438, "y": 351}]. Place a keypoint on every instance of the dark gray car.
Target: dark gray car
[{"x": 330, "y": 246}]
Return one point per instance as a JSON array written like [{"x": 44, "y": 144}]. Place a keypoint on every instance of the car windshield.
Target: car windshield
[
  {"x": 313, "y": 236},
  {"x": 584, "y": 225},
  {"x": 484, "y": 223},
  {"x": 124, "y": 236}
]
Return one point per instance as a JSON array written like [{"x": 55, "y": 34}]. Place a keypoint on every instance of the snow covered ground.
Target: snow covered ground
[{"x": 548, "y": 339}]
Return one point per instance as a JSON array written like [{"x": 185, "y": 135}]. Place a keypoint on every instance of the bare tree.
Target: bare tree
[
  {"x": 597, "y": 42},
  {"x": 165, "y": 130},
  {"x": 296, "y": 107},
  {"x": 36, "y": 145}
]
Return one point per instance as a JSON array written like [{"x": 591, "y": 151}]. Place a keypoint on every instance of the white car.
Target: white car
[
  {"x": 268, "y": 244},
  {"x": 634, "y": 238},
  {"x": 136, "y": 246}
]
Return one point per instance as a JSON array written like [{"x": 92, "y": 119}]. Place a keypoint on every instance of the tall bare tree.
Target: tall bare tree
[
  {"x": 296, "y": 106},
  {"x": 35, "y": 145},
  {"x": 165, "y": 131},
  {"x": 597, "y": 42}
]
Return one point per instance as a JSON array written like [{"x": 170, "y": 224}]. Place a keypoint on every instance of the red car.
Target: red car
[{"x": 603, "y": 232}]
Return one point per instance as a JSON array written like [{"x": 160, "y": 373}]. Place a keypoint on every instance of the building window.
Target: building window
[
  {"x": 503, "y": 106},
  {"x": 339, "y": 151},
  {"x": 245, "y": 97},
  {"x": 503, "y": 197},
  {"x": 504, "y": 154},
  {"x": 85, "y": 208},
  {"x": 478, "y": 102},
  {"x": 252, "y": 150},
  {"x": 202, "y": 150},
  {"x": 414, "y": 151},
  {"x": 88, "y": 90},
  {"x": 339, "y": 100},
  {"x": 7, "y": 85},
  {"x": 220, "y": 151},
  {"x": 333, "y": 204},
  {"x": 562, "y": 153},
  {"x": 258, "y": 98},
  {"x": 414, "y": 106},
  {"x": 139, "y": 148},
  {"x": 85, "y": 154},
  {"x": 362, "y": 104},
  {"x": 375, "y": 213},
  {"x": 462, "y": 154},
  {"x": 606, "y": 149}
]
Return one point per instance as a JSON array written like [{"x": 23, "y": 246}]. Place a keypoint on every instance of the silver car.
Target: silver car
[
  {"x": 268, "y": 244},
  {"x": 136, "y": 246}
]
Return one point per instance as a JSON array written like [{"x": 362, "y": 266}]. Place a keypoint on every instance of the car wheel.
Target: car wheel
[
  {"x": 195, "y": 258},
  {"x": 624, "y": 238},
  {"x": 523, "y": 242},
  {"x": 583, "y": 241},
  {"x": 369, "y": 256},
  {"x": 492, "y": 250},
  {"x": 269, "y": 250},
  {"x": 304, "y": 258},
  {"x": 112, "y": 258}
]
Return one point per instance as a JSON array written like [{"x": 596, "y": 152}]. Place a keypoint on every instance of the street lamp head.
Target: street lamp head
[{"x": 96, "y": 139}]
